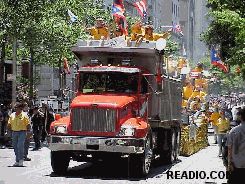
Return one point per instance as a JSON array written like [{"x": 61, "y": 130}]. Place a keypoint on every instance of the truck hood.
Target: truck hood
[{"x": 101, "y": 101}]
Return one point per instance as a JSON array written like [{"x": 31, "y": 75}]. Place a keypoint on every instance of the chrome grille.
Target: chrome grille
[{"x": 94, "y": 120}]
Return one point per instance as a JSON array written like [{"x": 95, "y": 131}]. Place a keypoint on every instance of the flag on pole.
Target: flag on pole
[
  {"x": 177, "y": 28},
  {"x": 66, "y": 65},
  {"x": 72, "y": 17},
  {"x": 215, "y": 60},
  {"x": 141, "y": 6},
  {"x": 118, "y": 11}
]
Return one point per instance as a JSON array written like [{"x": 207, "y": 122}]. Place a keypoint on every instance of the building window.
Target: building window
[
  {"x": 178, "y": 11},
  {"x": 172, "y": 7}
]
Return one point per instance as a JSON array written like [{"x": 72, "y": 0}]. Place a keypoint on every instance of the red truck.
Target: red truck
[{"x": 119, "y": 111}]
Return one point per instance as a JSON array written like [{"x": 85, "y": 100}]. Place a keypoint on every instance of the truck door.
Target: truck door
[{"x": 143, "y": 98}]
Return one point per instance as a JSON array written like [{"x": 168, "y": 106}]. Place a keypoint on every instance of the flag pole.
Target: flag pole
[
  {"x": 114, "y": 26},
  {"x": 166, "y": 26}
]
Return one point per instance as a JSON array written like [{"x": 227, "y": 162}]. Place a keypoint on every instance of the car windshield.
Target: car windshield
[{"x": 109, "y": 82}]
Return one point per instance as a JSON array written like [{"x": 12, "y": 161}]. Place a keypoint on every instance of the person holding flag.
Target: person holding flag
[{"x": 118, "y": 11}]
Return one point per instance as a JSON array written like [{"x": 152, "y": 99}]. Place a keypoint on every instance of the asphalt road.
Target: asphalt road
[{"x": 39, "y": 171}]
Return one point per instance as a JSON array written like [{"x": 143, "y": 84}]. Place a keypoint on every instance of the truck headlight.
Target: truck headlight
[
  {"x": 60, "y": 129},
  {"x": 127, "y": 131}
]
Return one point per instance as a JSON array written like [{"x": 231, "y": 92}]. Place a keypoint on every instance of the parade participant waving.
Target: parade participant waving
[
  {"x": 149, "y": 35},
  {"x": 99, "y": 30}
]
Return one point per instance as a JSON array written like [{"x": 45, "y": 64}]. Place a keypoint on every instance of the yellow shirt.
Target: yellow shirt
[
  {"x": 223, "y": 125},
  {"x": 215, "y": 116},
  {"x": 135, "y": 32},
  {"x": 187, "y": 92},
  {"x": 195, "y": 93},
  {"x": 201, "y": 83},
  {"x": 98, "y": 32},
  {"x": 19, "y": 122},
  {"x": 157, "y": 36}
]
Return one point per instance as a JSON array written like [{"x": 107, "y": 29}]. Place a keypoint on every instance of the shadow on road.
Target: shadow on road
[{"x": 111, "y": 171}]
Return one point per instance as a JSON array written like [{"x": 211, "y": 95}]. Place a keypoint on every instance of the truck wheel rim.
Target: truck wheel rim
[{"x": 148, "y": 156}]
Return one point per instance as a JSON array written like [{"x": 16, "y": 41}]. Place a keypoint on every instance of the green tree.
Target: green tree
[{"x": 226, "y": 30}]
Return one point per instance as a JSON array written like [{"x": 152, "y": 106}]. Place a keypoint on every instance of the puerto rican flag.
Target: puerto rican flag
[
  {"x": 177, "y": 28},
  {"x": 118, "y": 11},
  {"x": 215, "y": 60},
  {"x": 141, "y": 6}
]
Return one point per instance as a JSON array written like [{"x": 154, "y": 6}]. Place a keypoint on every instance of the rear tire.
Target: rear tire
[
  {"x": 168, "y": 146},
  {"x": 60, "y": 161}
]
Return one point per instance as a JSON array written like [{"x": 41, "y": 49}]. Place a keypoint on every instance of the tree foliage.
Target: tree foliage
[{"x": 226, "y": 30}]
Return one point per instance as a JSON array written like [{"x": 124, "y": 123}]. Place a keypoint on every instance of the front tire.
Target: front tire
[
  {"x": 59, "y": 161},
  {"x": 141, "y": 164}
]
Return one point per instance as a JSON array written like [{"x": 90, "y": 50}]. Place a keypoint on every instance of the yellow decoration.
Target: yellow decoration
[{"x": 191, "y": 146}]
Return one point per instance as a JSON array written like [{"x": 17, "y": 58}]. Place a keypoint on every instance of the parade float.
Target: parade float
[{"x": 194, "y": 132}]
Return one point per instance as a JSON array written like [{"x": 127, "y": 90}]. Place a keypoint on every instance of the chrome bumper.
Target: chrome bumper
[{"x": 81, "y": 143}]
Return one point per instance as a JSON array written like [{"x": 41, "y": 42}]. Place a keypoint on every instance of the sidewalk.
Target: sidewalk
[{"x": 206, "y": 161}]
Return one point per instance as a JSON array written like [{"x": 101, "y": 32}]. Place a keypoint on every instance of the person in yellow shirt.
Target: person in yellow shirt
[
  {"x": 223, "y": 125},
  {"x": 149, "y": 35},
  {"x": 99, "y": 30},
  {"x": 201, "y": 82},
  {"x": 187, "y": 91},
  {"x": 137, "y": 31},
  {"x": 19, "y": 124},
  {"x": 214, "y": 119}
]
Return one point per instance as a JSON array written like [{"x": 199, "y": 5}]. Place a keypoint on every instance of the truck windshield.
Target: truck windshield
[{"x": 109, "y": 82}]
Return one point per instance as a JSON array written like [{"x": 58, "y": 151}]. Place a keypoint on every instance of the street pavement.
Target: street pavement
[{"x": 39, "y": 171}]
